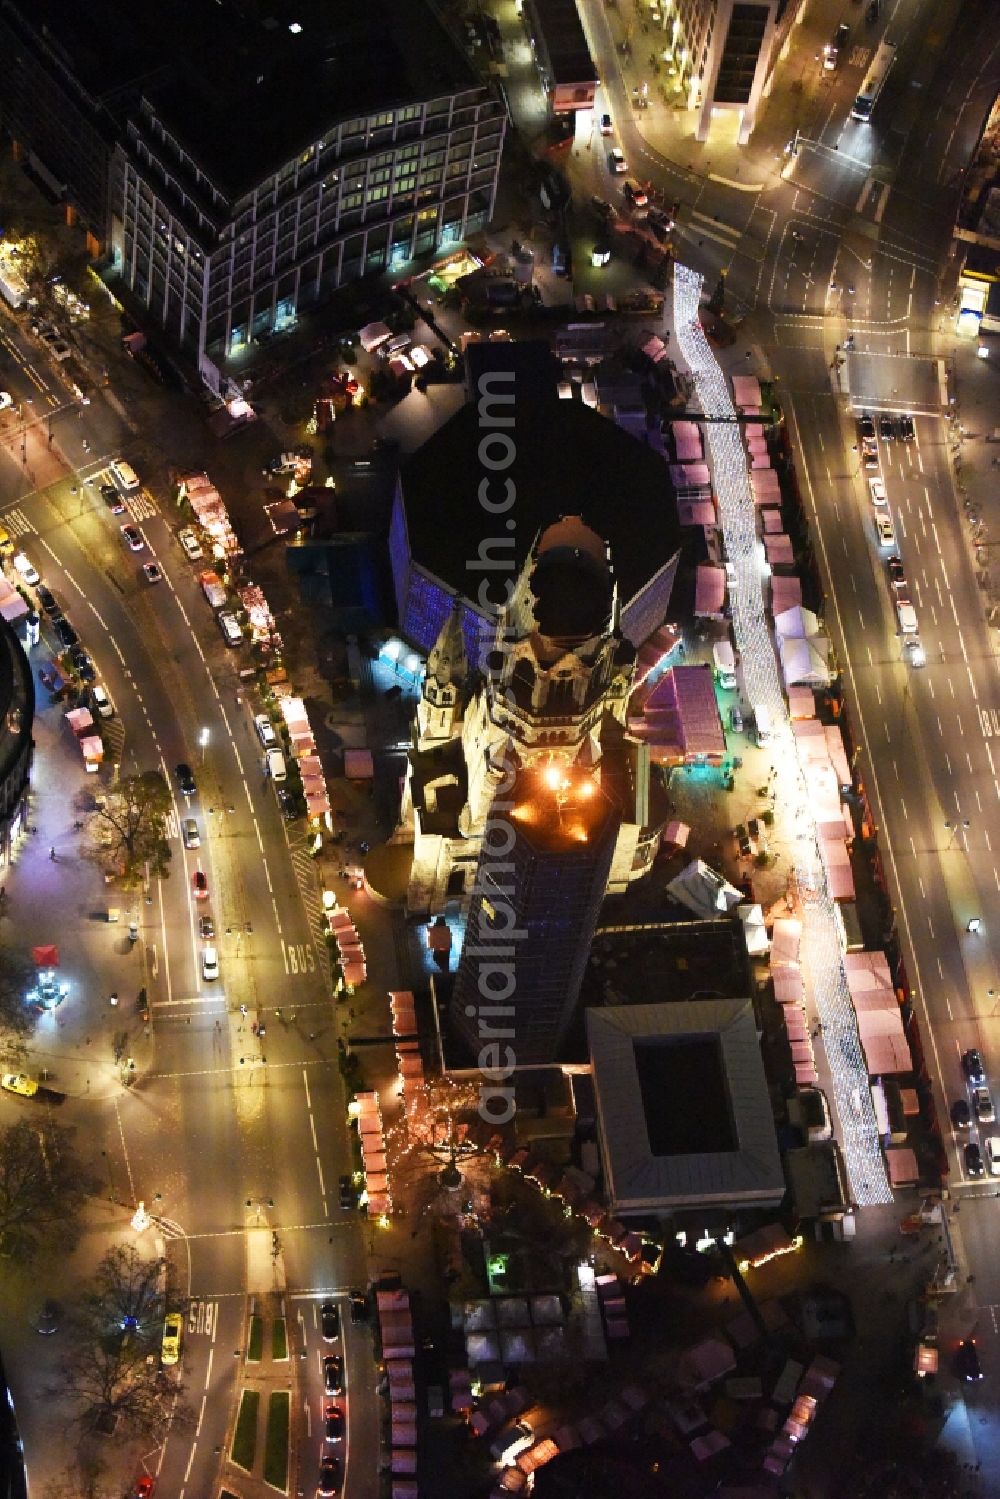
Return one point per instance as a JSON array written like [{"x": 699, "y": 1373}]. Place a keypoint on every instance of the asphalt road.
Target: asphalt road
[{"x": 225, "y": 1117}]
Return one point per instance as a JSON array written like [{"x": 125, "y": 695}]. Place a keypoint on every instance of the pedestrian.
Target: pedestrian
[
  {"x": 253, "y": 1028},
  {"x": 52, "y": 854}
]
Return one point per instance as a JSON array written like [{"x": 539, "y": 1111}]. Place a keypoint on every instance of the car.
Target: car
[
  {"x": 897, "y": 577},
  {"x": 914, "y": 651},
  {"x": 907, "y": 431},
  {"x": 359, "y": 1307},
  {"x": 329, "y": 1318},
  {"x": 983, "y": 1105},
  {"x": 65, "y": 631},
  {"x": 151, "y": 572},
  {"x": 329, "y": 1477},
  {"x": 906, "y": 615},
  {"x": 877, "y": 491},
  {"x": 967, "y": 1361},
  {"x": 974, "y": 1160},
  {"x": 60, "y": 350},
  {"x": 634, "y": 194},
  {"x": 348, "y": 1196},
  {"x": 885, "y": 531},
  {"x": 265, "y": 731},
  {"x": 206, "y": 928},
  {"x": 866, "y": 424},
  {"x": 143, "y": 1487},
  {"x": 112, "y": 498},
  {"x": 602, "y": 208},
  {"x": 191, "y": 545},
  {"x": 6, "y": 400},
  {"x": 20, "y": 1083},
  {"x": 660, "y": 221},
  {"x": 190, "y": 833},
  {"x": 48, "y": 1319},
  {"x": 333, "y": 1374},
  {"x": 199, "y": 885},
  {"x": 209, "y": 964},
  {"x": 333, "y": 1422},
  {"x": 103, "y": 705},
  {"x": 869, "y": 455},
  {"x": 607, "y": 128},
  {"x": 46, "y": 600},
  {"x": 26, "y": 570},
  {"x": 286, "y": 804},
  {"x": 736, "y": 720},
  {"x": 616, "y": 161},
  {"x": 833, "y": 50},
  {"x": 972, "y": 1066},
  {"x": 886, "y": 428},
  {"x": 961, "y": 1114},
  {"x": 133, "y": 538},
  {"x": 82, "y": 664},
  {"x": 170, "y": 1347},
  {"x": 185, "y": 779}
]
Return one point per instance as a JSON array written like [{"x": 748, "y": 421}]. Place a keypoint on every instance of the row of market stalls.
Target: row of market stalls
[
  {"x": 395, "y": 1320},
  {"x": 350, "y": 951},
  {"x": 85, "y": 732},
  {"x": 303, "y": 745},
  {"x": 210, "y": 513},
  {"x": 367, "y": 1115},
  {"x": 408, "y": 1059},
  {"x": 789, "y": 991}
]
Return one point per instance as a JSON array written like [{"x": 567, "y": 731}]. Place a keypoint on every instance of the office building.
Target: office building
[
  {"x": 239, "y": 165},
  {"x": 718, "y": 54}
]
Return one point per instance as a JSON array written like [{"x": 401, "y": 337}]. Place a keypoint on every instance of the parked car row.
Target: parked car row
[
  {"x": 889, "y": 427},
  {"x": 984, "y": 1112},
  {"x": 330, "y": 1468}
]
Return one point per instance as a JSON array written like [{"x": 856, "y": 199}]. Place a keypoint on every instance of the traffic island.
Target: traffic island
[
  {"x": 245, "y": 1436},
  {"x": 276, "y": 1442}
]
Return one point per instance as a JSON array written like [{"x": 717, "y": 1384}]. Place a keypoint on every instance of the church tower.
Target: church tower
[{"x": 440, "y": 706}]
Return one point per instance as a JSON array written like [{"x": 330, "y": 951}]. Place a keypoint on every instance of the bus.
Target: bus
[{"x": 874, "y": 82}]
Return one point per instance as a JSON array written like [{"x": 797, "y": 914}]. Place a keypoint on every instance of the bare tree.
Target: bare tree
[
  {"x": 17, "y": 973},
  {"x": 42, "y": 1189},
  {"x": 128, "y": 827},
  {"x": 129, "y": 1295},
  {"x": 117, "y": 1385}
]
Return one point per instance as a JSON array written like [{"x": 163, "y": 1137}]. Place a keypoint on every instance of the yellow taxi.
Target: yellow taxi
[{"x": 170, "y": 1350}]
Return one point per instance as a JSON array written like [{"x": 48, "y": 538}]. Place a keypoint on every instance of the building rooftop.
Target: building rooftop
[
  {"x": 683, "y": 1106},
  {"x": 245, "y": 85},
  {"x": 567, "y": 460},
  {"x": 559, "y": 809}
]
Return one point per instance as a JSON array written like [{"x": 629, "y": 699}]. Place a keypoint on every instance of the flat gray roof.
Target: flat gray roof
[{"x": 648, "y": 1142}]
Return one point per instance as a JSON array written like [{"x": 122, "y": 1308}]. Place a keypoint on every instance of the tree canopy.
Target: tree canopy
[
  {"x": 128, "y": 828},
  {"x": 42, "y": 1189}
]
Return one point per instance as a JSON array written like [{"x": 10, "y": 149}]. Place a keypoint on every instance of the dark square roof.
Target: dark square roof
[
  {"x": 569, "y": 460},
  {"x": 236, "y": 86}
]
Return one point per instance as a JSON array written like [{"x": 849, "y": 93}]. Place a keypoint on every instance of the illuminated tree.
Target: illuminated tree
[{"x": 128, "y": 828}]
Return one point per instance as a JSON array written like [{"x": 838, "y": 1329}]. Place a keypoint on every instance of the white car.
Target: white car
[
  {"x": 26, "y": 571},
  {"x": 189, "y": 542},
  {"x": 209, "y": 963},
  {"x": 616, "y": 161},
  {"x": 885, "y": 531},
  {"x": 907, "y": 616},
  {"x": 99, "y": 697},
  {"x": 877, "y": 491},
  {"x": 265, "y": 731},
  {"x": 6, "y": 400}
]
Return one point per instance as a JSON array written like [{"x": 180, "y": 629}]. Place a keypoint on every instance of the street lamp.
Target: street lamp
[{"x": 203, "y": 741}]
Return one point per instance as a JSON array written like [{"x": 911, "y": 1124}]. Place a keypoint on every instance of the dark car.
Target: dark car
[
  {"x": 359, "y": 1307},
  {"x": 886, "y": 428},
  {"x": 972, "y": 1066},
  {"x": 906, "y": 428},
  {"x": 112, "y": 498},
  {"x": 961, "y": 1114},
  {"x": 348, "y": 1197},
  {"x": 967, "y": 1360},
  {"x": 329, "y": 1477},
  {"x": 67, "y": 635},
  {"x": 288, "y": 811},
  {"x": 333, "y": 1374},
  {"x": 185, "y": 779},
  {"x": 132, "y": 537},
  {"x": 333, "y": 1422},
  {"x": 45, "y": 598},
  {"x": 329, "y": 1317},
  {"x": 603, "y": 209},
  {"x": 82, "y": 664},
  {"x": 866, "y": 425},
  {"x": 974, "y": 1160},
  {"x": 872, "y": 12}
]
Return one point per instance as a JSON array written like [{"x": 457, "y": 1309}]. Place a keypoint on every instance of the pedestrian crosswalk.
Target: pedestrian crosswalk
[{"x": 17, "y": 523}]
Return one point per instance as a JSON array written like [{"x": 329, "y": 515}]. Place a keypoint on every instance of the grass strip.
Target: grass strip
[
  {"x": 279, "y": 1340},
  {"x": 276, "y": 1441},
  {"x": 255, "y": 1345},
  {"x": 245, "y": 1435}
]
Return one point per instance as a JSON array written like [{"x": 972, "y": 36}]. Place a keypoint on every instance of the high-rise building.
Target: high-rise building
[
  {"x": 719, "y": 53},
  {"x": 542, "y": 876},
  {"x": 240, "y": 167}
]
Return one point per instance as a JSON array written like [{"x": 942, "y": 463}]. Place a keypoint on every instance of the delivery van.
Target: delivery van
[
  {"x": 276, "y": 766},
  {"x": 125, "y": 476},
  {"x": 764, "y": 723},
  {"x": 724, "y": 658}
]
